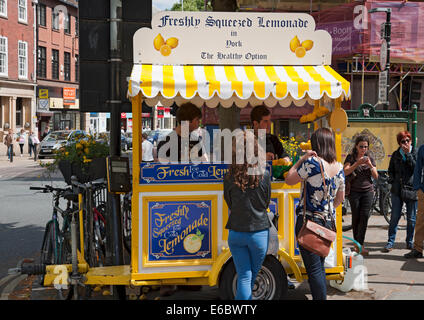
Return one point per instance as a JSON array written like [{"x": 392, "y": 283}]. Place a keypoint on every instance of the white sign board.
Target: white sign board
[
  {"x": 382, "y": 86},
  {"x": 234, "y": 38},
  {"x": 383, "y": 54}
]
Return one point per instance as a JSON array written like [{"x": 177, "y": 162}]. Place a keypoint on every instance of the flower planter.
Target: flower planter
[{"x": 94, "y": 170}]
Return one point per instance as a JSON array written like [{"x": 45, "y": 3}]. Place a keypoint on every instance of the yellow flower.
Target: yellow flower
[
  {"x": 78, "y": 146},
  {"x": 67, "y": 153},
  {"x": 86, "y": 150}
]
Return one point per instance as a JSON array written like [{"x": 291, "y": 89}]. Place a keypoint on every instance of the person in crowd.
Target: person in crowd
[
  {"x": 260, "y": 117},
  {"x": 30, "y": 145},
  {"x": 308, "y": 171},
  {"x": 187, "y": 112},
  {"x": 418, "y": 185},
  {"x": 35, "y": 142},
  {"x": 401, "y": 175},
  {"x": 8, "y": 141},
  {"x": 359, "y": 169},
  {"x": 248, "y": 197},
  {"x": 21, "y": 140},
  {"x": 147, "y": 149},
  {"x": 45, "y": 132}
]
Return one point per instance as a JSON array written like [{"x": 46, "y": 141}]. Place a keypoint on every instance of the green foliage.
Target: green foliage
[
  {"x": 81, "y": 151},
  {"x": 192, "y": 5}
]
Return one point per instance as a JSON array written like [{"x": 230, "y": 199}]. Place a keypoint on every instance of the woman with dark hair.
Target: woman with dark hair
[
  {"x": 359, "y": 168},
  {"x": 247, "y": 193},
  {"x": 401, "y": 175},
  {"x": 309, "y": 170}
]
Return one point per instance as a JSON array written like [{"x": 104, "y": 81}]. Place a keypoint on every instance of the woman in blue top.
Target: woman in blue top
[{"x": 308, "y": 171}]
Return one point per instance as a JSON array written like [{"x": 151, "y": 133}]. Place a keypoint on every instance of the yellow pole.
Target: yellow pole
[
  {"x": 137, "y": 128},
  {"x": 81, "y": 221}
]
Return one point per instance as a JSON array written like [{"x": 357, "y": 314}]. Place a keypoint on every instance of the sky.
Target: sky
[{"x": 164, "y": 4}]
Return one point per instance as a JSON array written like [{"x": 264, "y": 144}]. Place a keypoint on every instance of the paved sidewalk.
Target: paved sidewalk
[{"x": 17, "y": 159}]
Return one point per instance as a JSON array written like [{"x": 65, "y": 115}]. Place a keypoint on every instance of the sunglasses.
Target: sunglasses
[
  {"x": 363, "y": 147},
  {"x": 405, "y": 141}
]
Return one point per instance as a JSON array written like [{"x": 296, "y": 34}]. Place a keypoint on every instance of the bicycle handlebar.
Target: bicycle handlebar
[{"x": 48, "y": 188}]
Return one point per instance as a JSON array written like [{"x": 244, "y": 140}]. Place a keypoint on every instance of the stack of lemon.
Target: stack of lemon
[
  {"x": 318, "y": 112},
  {"x": 280, "y": 168},
  {"x": 165, "y": 47}
]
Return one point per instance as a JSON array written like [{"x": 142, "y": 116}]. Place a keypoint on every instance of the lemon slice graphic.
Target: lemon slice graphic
[{"x": 192, "y": 243}]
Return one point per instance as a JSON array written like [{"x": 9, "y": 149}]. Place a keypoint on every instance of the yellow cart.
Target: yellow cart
[{"x": 178, "y": 211}]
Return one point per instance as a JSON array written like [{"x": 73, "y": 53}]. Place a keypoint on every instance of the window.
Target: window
[
  {"x": 22, "y": 59},
  {"x": 55, "y": 64},
  {"x": 3, "y": 56},
  {"x": 55, "y": 20},
  {"x": 19, "y": 107},
  {"x": 67, "y": 66},
  {"x": 22, "y": 11},
  {"x": 41, "y": 14},
  {"x": 67, "y": 23},
  {"x": 3, "y": 8},
  {"x": 41, "y": 62},
  {"x": 76, "y": 68},
  {"x": 76, "y": 27}
]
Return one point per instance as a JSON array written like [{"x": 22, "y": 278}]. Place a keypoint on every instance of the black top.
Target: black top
[
  {"x": 248, "y": 210},
  {"x": 191, "y": 144},
  {"x": 273, "y": 145},
  {"x": 361, "y": 178},
  {"x": 400, "y": 169}
]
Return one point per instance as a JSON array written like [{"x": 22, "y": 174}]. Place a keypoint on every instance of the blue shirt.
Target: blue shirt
[
  {"x": 316, "y": 200},
  {"x": 418, "y": 170}
]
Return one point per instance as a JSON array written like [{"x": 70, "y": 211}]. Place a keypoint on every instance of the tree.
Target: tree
[{"x": 192, "y": 5}]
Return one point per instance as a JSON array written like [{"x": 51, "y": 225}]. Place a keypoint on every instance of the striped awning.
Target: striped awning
[{"x": 241, "y": 85}]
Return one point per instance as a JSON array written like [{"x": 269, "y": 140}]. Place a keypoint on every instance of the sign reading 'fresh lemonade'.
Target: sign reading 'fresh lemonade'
[{"x": 232, "y": 38}]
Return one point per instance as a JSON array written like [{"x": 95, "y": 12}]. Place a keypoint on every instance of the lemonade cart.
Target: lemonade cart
[{"x": 179, "y": 214}]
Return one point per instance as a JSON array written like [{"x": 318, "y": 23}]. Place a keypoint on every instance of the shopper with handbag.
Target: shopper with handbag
[
  {"x": 247, "y": 196},
  {"x": 360, "y": 168},
  {"x": 323, "y": 186},
  {"x": 401, "y": 176}
]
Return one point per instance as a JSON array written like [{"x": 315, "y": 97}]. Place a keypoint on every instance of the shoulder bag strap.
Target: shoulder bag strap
[{"x": 327, "y": 193}]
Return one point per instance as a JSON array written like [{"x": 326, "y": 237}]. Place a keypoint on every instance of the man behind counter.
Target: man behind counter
[
  {"x": 186, "y": 112},
  {"x": 261, "y": 119}
]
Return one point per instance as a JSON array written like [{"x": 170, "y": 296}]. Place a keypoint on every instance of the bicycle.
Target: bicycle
[
  {"x": 56, "y": 246},
  {"x": 126, "y": 220}
]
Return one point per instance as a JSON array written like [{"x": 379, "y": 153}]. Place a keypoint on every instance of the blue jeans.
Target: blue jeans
[
  {"x": 248, "y": 250},
  {"x": 10, "y": 152},
  {"x": 314, "y": 265},
  {"x": 411, "y": 213}
]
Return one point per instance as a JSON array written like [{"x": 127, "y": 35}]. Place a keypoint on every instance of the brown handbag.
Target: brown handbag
[{"x": 312, "y": 236}]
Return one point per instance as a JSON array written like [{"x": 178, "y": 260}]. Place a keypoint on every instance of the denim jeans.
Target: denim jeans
[
  {"x": 248, "y": 250},
  {"x": 10, "y": 152},
  {"x": 411, "y": 214},
  {"x": 314, "y": 265}
]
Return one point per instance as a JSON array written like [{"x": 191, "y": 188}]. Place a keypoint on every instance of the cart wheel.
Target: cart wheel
[{"x": 270, "y": 284}]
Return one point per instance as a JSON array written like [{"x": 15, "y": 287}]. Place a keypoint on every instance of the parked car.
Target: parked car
[{"x": 56, "y": 139}]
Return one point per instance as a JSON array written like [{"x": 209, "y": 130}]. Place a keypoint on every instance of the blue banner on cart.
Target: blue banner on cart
[
  {"x": 180, "y": 230},
  {"x": 155, "y": 173}
]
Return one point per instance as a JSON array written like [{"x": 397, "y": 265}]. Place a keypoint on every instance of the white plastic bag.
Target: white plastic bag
[{"x": 331, "y": 260}]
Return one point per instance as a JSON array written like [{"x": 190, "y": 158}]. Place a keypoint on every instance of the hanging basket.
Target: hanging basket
[{"x": 96, "y": 169}]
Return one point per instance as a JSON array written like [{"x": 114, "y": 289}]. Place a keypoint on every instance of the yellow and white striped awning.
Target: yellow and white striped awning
[{"x": 226, "y": 85}]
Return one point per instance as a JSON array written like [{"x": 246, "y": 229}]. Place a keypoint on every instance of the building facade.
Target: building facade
[
  {"x": 57, "y": 65},
  {"x": 17, "y": 65}
]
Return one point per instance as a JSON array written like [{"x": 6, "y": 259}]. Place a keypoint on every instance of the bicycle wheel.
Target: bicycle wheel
[
  {"x": 99, "y": 237},
  {"x": 346, "y": 216},
  {"x": 126, "y": 222}
]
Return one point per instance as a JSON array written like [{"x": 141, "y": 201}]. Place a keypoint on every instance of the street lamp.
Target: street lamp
[{"x": 384, "y": 82}]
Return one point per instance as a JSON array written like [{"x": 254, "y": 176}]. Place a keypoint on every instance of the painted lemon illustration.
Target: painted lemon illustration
[
  {"x": 172, "y": 42},
  {"x": 158, "y": 42},
  {"x": 193, "y": 242},
  {"x": 300, "y": 52},
  {"x": 294, "y": 43},
  {"x": 165, "y": 50},
  {"x": 307, "y": 44}
]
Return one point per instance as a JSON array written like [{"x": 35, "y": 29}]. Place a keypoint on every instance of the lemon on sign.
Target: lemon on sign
[
  {"x": 193, "y": 242},
  {"x": 158, "y": 42}
]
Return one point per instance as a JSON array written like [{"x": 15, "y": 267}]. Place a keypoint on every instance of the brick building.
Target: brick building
[
  {"x": 17, "y": 72},
  {"x": 57, "y": 65}
]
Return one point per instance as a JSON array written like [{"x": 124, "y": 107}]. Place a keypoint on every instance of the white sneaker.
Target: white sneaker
[{"x": 21, "y": 156}]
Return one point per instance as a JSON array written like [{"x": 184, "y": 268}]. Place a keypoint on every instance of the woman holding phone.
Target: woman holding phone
[{"x": 359, "y": 168}]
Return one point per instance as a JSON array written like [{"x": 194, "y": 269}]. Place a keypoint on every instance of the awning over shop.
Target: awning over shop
[{"x": 226, "y": 85}]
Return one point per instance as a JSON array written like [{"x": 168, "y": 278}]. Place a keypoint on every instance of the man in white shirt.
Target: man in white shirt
[{"x": 146, "y": 149}]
